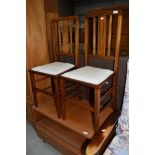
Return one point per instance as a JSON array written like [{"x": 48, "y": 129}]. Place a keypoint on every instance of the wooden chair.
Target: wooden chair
[
  {"x": 99, "y": 32},
  {"x": 65, "y": 41}
]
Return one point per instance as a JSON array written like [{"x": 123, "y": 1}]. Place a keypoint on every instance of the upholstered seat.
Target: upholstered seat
[
  {"x": 54, "y": 68},
  {"x": 88, "y": 74}
]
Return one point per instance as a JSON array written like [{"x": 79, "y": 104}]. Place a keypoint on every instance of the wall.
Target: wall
[{"x": 66, "y": 7}]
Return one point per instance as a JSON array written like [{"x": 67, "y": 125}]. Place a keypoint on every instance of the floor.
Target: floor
[{"x": 35, "y": 145}]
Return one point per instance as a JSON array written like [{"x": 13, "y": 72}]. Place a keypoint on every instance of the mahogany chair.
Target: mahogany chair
[
  {"x": 65, "y": 41},
  {"x": 99, "y": 35}
]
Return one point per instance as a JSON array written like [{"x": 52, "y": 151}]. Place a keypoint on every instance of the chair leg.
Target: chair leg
[
  {"x": 114, "y": 94},
  {"x": 52, "y": 85},
  {"x": 32, "y": 78},
  {"x": 96, "y": 109},
  {"x": 78, "y": 91},
  {"x": 56, "y": 96},
  {"x": 62, "y": 92}
]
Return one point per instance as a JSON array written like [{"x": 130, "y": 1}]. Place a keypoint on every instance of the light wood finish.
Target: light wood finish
[
  {"x": 49, "y": 16},
  {"x": 94, "y": 106},
  {"x": 65, "y": 140},
  {"x": 109, "y": 35},
  {"x": 96, "y": 109},
  {"x": 101, "y": 138},
  {"x": 94, "y": 35},
  {"x": 65, "y": 45},
  {"x": 119, "y": 29},
  {"x": 124, "y": 46},
  {"x": 51, "y": 6},
  {"x": 62, "y": 89},
  {"x": 73, "y": 120},
  {"x": 56, "y": 37},
  {"x": 57, "y": 96},
  {"x": 54, "y": 40},
  {"x": 99, "y": 37},
  {"x": 65, "y": 36},
  {"x": 36, "y": 45},
  {"x": 33, "y": 89}
]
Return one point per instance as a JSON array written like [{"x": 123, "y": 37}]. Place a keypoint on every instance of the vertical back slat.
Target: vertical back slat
[
  {"x": 71, "y": 35},
  {"x": 86, "y": 40},
  {"x": 109, "y": 35},
  {"x": 117, "y": 49},
  {"x": 54, "y": 41},
  {"x": 65, "y": 36},
  {"x": 76, "y": 41},
  {"x": 99, "y": 37},
  {"x": 94, "y": 35},
  {"x": 59, "y": 33},
  {"x": 118, "y": 40},
  {"x": 103, "y": 35}
]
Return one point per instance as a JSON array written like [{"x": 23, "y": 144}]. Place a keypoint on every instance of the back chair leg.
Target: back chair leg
[
  {"x": 32, "y": 78},
  {"x": 57, "y": 96},
  {"x": 78, "y": 91},
  {"x": 52, "y": 85},
  {"x": 62, "y": 92}
]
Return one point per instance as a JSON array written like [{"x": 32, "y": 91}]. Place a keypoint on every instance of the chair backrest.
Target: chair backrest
[
  {"x": 102, "y": 30},
  {"x": 65, "y": 37}
]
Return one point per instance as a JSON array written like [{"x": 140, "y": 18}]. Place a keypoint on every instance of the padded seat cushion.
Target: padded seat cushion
[
  {"x": 54, "y": 68},
  {"x": 89, "y": 74}
]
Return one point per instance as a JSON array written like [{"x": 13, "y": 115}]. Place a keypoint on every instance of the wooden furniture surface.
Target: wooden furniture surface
[
  {"x": 74, "y": 115},
  {"x": 36, "y": 46},
  {"x": 67, "y": 140},
  {"x": 51, "y": 11},
  {"x": 79, "y": 76},
  {"x": 124, "y": 46},
  {"x": 62, "y": 44},
  {"x": 65, "y": 37},
  {"x": 69, "y": 136}
]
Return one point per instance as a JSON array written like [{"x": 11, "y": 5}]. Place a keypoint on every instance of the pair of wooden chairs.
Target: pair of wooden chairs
[{"x": 98, "y": 34}]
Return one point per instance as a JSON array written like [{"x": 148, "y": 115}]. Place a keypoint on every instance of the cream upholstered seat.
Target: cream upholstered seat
[
  {"x": 54, "y": 68},
  {"x": 89, "y": 74}
]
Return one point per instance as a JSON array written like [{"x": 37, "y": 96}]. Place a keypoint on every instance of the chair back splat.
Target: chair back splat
[{"x": 65, "y": 37}]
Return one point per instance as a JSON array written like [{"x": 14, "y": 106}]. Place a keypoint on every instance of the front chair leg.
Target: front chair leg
[
  {"x": 96, "y": 109},
  {"x": 62, "y": 92},
  {"x": 56, "y": 96},
  {"x": 32, "y": 78}
]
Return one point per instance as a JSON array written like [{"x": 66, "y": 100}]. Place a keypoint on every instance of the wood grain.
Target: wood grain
[
  {"x": 109, "y": 35},
  {"x": 73, "y": 121},
  {"x": 36, "y": 42},
  {"x": 94, "y": 35},
  {"x": 65, "y": 40}
]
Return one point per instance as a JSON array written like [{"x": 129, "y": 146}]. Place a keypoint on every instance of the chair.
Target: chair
[
  {"x": 65, "y": 41},
  {"x": 100, "y": 34}
]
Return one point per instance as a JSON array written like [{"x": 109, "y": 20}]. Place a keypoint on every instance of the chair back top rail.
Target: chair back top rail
[{"x": 103, "y": 35}]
